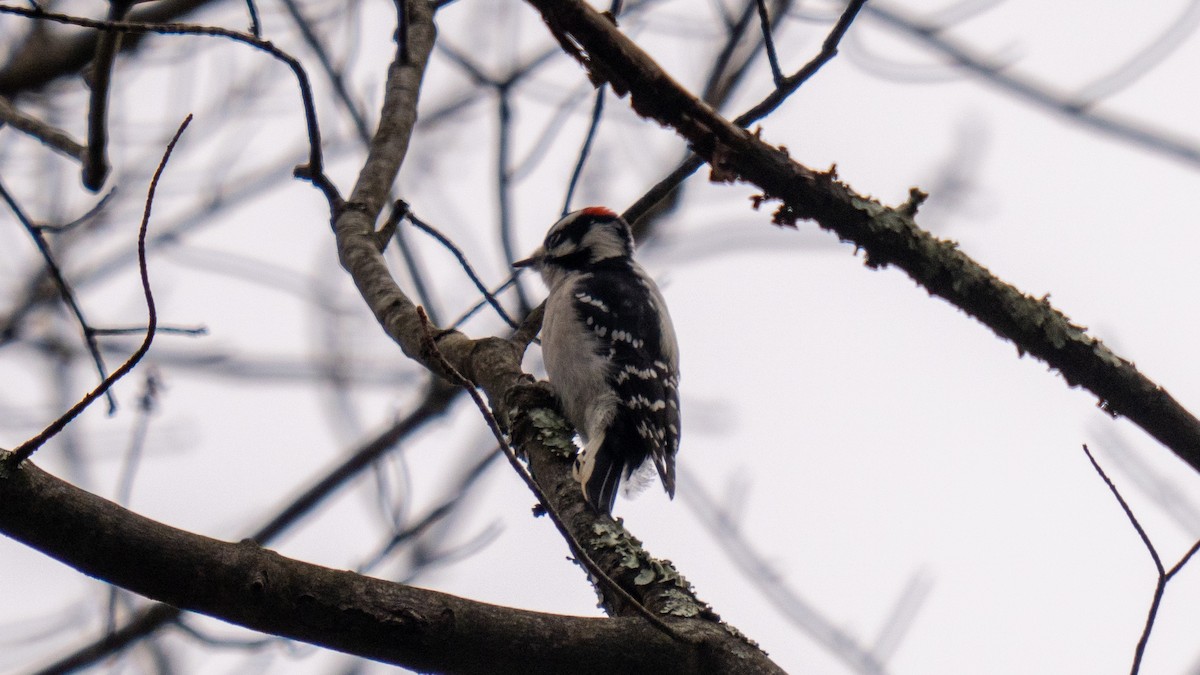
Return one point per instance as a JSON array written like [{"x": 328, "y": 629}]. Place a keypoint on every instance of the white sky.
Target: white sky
[{"x": 865, "y": 433}]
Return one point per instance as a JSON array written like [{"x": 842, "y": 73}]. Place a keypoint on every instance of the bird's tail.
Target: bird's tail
[{"x": 598, "y": 469}]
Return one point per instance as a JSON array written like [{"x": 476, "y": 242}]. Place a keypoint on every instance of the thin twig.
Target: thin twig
[
  {"x": 581, "y": 554},
  {"x": 64, "y": 288},
  {"x": 195, "y": 331},
  {"x": 614, "y": 9},
  {"x": 137, "y": 442},
  {"x": 390, "y": 231},
  {"x": 724, "y": 75},
  {"x": 314, "y": 169},
  {"x": 26, "y": 449},
  {"x": 1040, "y": 93},
  {"x": 764, "y": 21},
  {"x": 255, "y": 26},
  {"x": 545, "y": 145},
  {"x": 829, "y": 49},
  {"x": 331, "y": 73},
  {"x": 487, "y": 299},
  {"x": 504, "y": 188},
  {"x": 51, "y": 136},
  {"x": 597, "y": 112},
  {"x": 1128, "y": 512},
  {"x": 1184, "y": 560},
  {"x": 415, "y": 271},
  {"x": 1164, "y": 576},
  {"x": 81, "y": 220},
  {"x": 462, "y": 261}
]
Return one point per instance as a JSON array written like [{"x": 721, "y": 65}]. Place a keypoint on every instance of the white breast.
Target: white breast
[{"x": 577, "y": 373}]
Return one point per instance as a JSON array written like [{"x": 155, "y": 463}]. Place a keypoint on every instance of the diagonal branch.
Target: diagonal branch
[
  {"x": 47, "y": 134},
  {"x": 494, "y": 365},
  {"x": 889, "y": 236},
  {"x": 64, "y": 287},
  {"x": 784, "y": 88},
  {"x": 1075, "y": 108},
  {"x": 26, "y": 449}
]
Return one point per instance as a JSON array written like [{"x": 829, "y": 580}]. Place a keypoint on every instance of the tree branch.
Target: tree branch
[
  {"x": 261, "y": 590},
  {"x": 47, "y": 134},
  {"x": 1075, "y": 108},
  {"x": 150, "y": 619},
  {"x": 889, "y": 236},
  {"x": 494, "y": 365},
  {"x": 45, "y": 56}
]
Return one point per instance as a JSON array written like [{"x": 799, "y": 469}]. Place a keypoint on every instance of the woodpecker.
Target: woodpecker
[{"x": 610, "y": 353}]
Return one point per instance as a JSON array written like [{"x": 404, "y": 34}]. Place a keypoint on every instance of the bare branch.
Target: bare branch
[
  {"x": 152, "y": 618},
  {"x": 51, "y": 136},
  {"x": 462, "y": 262},
  {"x": 889, "y": 236},
  {"x": 493, "y": 364},
  {"x": 1164, "y": 576},
  {"x": 64, "y": 288},
  {"x": 261, "y": 590},
  {"x": 314, "y": 169},
  {"x": 581, "y": 553},
  {"x": 788, "y": 86},
  {"x": 1041, "y": 94},
  {"x": 49, "y": 57},
  {"x": 593, "y": 127},
  {"x": 95, "y": 160},
  {"x": 26, "y": 449},
  {"x": 764, "y": 20}
]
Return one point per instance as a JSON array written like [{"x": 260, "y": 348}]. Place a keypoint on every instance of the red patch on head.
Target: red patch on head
[{"x": 598, "y": 211}]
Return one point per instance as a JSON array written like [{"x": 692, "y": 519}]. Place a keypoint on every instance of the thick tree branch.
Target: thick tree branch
[
  {"x": 261, "y": 590},
  {"x": 150, "y": 619},
  {"x": 889, "y": 236}
]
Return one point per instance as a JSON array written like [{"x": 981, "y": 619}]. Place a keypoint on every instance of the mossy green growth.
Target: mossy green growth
[
  {"x": 677, "y": 603},
  {"x": 553, "y": 432},
  {"x": 612, "y": 536},
  {"x": 676, "y": 591}
]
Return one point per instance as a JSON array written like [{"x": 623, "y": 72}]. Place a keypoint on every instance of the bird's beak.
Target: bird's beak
[{"x": 533, "y": 260}]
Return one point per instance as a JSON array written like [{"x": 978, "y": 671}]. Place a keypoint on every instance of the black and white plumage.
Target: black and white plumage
[{"x": 610, "y": 352}]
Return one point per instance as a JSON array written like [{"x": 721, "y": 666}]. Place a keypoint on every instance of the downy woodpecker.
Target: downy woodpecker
[{"x": 610, "y": 352}]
